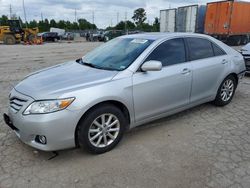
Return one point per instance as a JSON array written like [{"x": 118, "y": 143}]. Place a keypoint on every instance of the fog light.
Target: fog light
[{"x": 41, "y": 139}]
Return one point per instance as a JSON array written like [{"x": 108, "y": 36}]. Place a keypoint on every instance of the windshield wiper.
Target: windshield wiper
[
  {"x": 90, "y": 65},
  {"x": 93, "y": 65},
  {"x": 86, "y": 63}
]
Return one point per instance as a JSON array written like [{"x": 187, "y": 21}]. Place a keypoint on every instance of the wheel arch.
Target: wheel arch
[
  {"x": 116, "y": 103},
  {"x": 235, "y": 76},
  {"x": 223, "y": 78}
]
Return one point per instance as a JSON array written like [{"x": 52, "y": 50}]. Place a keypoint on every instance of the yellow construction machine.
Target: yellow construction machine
[{"x": 13, "y": 33}]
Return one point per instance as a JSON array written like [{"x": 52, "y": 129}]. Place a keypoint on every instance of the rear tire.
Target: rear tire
[
  {"x": 9, "y": 40},
  {"x": 226, "y": 91},
  {"x": 96, "y": 132}
]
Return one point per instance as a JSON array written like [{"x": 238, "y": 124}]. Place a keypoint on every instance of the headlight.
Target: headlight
[{"x": 48, "y": 106}]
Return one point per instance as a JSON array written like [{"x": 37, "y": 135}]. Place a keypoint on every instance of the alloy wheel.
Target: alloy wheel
[
  {"x": 104, "y": 130},
  {"x": 227, "y": 90}
]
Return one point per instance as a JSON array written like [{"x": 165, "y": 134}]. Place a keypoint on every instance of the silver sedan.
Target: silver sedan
[{"x": 124, "y": 83}]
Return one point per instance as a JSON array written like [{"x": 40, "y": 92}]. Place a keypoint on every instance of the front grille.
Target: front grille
[{"x": 16, "y": 103}]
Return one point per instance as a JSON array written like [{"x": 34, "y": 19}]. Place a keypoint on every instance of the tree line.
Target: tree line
[
  {"x": 45, "y": 25},
  {"x": 139, "y": 18}
]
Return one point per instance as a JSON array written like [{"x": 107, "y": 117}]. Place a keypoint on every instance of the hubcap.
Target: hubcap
[
  {"x": 227, "y": 90},
  {"x": 104, "y": 130}
]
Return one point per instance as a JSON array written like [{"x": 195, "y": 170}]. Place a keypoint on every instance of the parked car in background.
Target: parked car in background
[
  {"x": 49, "y": 36},
  {"x": 96, "y": 36},
  {"x": 68, "y": 36},
  {"x": 245, "y": 51},
  {"x": 111, "y": 34},
  {"x": 59, "y": 31},
  {"x": 124, "y": 83}
]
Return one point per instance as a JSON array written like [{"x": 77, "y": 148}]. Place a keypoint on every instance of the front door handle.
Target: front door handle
[{"x": 186, "y": 71}]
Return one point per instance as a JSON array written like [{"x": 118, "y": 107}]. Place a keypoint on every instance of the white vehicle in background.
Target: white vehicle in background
[
  {"x": 245, "y": 51},
  {"x": 167, "y": 20},
  {"x": 60, "y": 32},
  {"x": 68, "y": 36}
]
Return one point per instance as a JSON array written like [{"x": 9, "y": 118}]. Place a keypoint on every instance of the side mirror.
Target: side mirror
[{"x": 151, "y": 65}]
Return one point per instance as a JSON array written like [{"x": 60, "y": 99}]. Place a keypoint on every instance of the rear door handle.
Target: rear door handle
[
  {"x": 186, "y": 71},
  {"x": 224, "y": 61}
]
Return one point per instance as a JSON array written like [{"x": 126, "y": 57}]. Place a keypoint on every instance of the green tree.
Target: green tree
[
  {"x": 93, "y": 26},
  {"x": 52, "y": 23},
  {"x": 139, "y": 16},
  {"x": 46, "y": 25},
  {"x": 84, "y": 24},
  {"x": 67, "y": 25},
  {"x": 61, "y": 24},
  {"x": 156, "y": 25},
  {"x": 75, "y": 26},
  {"x": 3, "y": 20},
  {"x": 121, "y": 25},
  {"x": 33, "y": 24},
  {"x": 130, "y": 25},
  {"x": 146, "y": 27}
]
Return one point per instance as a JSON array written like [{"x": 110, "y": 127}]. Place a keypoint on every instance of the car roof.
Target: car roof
[{"x": 156, "y": 36}]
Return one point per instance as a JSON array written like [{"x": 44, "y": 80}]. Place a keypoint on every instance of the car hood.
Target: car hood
[
  {"x": 57, "y": 80},
  {"x": 246, "y": 47}
]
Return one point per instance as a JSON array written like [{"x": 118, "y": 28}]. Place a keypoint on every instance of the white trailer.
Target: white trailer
[
  {"x": 60, "y": 32},
  {"x": 190, "y": 19},
  {"x": 168, "y": 20}
]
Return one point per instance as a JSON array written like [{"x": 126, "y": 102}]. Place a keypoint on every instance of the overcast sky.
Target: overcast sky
[{"x": 105, "y": 12}]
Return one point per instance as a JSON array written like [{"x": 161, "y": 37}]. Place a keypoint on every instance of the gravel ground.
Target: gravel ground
[{"x": 205, "y": 146}]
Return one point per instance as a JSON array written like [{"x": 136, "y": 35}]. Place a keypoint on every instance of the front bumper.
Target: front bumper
[{"x": 58, "y": 128}]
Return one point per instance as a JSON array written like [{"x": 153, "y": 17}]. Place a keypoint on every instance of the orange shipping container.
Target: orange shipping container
[{"x": 227, "y": 19}]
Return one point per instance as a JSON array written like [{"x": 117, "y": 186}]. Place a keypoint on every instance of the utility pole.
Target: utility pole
[
  {"x": 126, "y": 22},
  {"x": 93, "y": 18},
  {"x": 75, "y": 15},
  {"x": 24, "y": 12},
  {"x": 10, "y": 11},
  {"x": 41, "y": 16},
  {"x": 117, "y": 17}
]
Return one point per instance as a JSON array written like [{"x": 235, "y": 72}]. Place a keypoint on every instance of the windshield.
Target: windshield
[{"x": 116, "y": 54}]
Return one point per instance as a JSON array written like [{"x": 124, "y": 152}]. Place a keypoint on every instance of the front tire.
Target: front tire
[
  {"x": 101, "y": 129},
  {"x": 226, "y": 91},
  {"x": 9, "y": 40}
]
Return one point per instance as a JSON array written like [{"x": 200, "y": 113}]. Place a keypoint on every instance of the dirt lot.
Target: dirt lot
[{"x": 206, "y": 146}]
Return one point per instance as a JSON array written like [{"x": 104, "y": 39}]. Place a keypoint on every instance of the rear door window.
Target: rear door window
[
  {"x": 169, "y": 52},
  {"x": 199, "y": 48},
  {"x": 217, "y": 50}
]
